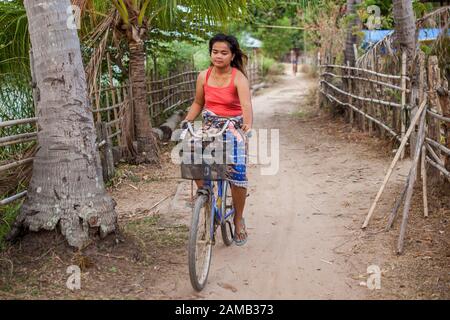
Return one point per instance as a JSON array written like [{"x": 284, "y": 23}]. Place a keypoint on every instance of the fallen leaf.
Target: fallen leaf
[{"x": 227, "y": 286}]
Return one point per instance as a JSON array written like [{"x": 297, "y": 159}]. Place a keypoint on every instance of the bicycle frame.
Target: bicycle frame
[{"x": 216, "y": 210}]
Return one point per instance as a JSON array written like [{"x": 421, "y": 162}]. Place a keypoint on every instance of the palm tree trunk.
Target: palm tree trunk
[
  {"x": 146, "y": 143},
  {"x": 351, "y": 37},
  {"x": 405, "y": 26},
  {"x": 66, "y": 187}
]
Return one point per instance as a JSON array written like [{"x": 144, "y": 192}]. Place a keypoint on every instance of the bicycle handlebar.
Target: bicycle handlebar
[{"x": 206, "y": 135}]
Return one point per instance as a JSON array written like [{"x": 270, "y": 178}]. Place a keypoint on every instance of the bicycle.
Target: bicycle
[{"x": 209, "y": 211}]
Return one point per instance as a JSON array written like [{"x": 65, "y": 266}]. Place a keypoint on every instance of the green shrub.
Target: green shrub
[
  {"x": 8, "y": 214},
  {"x": 272, "y": 67}
]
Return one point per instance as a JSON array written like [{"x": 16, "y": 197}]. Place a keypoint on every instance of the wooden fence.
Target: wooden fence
[
  {"x": 376, "y": 101},
  {"x": 414, "y": 108},
  {"x": 108, "y": 103},
  {"x": 254, "y": 73}
]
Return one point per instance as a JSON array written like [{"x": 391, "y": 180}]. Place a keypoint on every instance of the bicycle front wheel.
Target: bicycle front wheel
[
  {"x": 227, "y": 227},
  {"x": 200, "y": 243}
]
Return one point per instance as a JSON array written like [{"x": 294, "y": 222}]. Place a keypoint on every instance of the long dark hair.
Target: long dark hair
[{"x": 240, "y": 59}]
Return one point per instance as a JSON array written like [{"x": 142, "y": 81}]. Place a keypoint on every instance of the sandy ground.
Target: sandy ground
[
  {"x": 299, "y": 218},
  {"x": 305, "y": 240}
]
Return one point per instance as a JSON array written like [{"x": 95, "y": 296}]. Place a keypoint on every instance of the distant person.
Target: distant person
[{"x": 294, "y": 62}]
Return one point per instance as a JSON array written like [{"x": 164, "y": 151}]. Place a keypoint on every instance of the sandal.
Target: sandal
[{"x": 242, "y": 234}]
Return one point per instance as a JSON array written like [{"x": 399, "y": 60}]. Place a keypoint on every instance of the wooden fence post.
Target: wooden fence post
[
  {"x": 113, "y": 97},
  {"x": 34, "y": 87},
  {"x": 403, "y": 100},
  {"x": 350, "y": 90},
  {"x": 418, "y": 88},
  {"x": 320, "y": 98},
  {"x": 105, "y": 150},
  {"x": 435, "y": 124},
  {"x": 444, "y": 98}
]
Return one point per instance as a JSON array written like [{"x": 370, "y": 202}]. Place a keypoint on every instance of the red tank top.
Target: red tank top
[{"x": 223, "y": 101}]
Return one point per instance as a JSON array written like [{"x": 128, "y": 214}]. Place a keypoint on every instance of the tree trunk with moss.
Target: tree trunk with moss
[{"x": 147, "y": 148}]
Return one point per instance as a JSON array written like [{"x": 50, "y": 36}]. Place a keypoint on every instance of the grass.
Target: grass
[
  {"x": 151, "y": 230},
  {"x": 8, "y": 214},
  {"x": 124, "y": 172},
  {"x": 307, "y": 108},
  {"x": 300, "y": 114}
]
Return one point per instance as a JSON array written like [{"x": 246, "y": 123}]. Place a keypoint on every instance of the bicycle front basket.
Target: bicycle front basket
[{"x": 196, "y": 165}]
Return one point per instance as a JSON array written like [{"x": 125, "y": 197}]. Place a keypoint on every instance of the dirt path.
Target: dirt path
[
  {"x": 298, "y": 218},
  {"x": 305, "y": 240}
]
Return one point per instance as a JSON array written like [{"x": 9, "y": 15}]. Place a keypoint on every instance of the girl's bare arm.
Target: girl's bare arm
[
  {"x": 199, "y": 100},
  {"x": 243, "y": 88}
]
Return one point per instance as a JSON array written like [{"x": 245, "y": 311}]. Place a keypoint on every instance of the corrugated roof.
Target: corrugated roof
[{"x": 250, "y": 42}]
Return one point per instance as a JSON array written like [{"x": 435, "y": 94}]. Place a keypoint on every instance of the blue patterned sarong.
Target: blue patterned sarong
[{"x": 237, "y": 168}]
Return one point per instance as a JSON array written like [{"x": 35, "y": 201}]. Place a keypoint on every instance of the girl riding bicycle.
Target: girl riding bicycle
[{"x": 223, "y": 90}]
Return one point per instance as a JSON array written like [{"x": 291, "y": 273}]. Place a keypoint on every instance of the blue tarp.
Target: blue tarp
[{"x": 373, "y": 36}]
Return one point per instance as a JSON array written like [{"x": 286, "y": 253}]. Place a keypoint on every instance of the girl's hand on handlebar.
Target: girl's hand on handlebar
[
  {"x": 246, "y": 128},
  {"x": 184, "y": 124}
]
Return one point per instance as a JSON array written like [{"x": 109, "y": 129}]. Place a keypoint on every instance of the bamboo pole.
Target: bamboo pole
[
  {"x": 108, "y": 114},
  {"x": 397, "y": 205},
  {"x": 438, "y": 116},
  {"x": 433, "y": 154},
  {"x": 394, "y": 162},
  {"x": 439, "y": 167},
  {"x": 23, "y": 140},
  {"x": 13, "y": 198},
  {"x": 412, "y": 180},
  {"x": 371, "y": 110},
  {"x": 117, "y": 133},
  {"x": 15, "y": 164},
  {"x": 113, "y": 93},
  {"x": 97, "y": 101},
  {"x": 363, "y": 70},
  {"x": 106, "y": 89},
  {"x": 10, "y": 123},
  {"x": 350, "y": 90},
  {"x": 113, "y": 122},
  {"x": 166, "y": 87},
  {"x": 173, "y": 76},
  {"x": 424, "y": 181},
  {"x": 364, "y": 115},
  {"x": 17, "y": 137},
  {"x": 403, "y": 100},
  {"x": 387, "y": 103},
  {"x": 169, "y": 97},
  {"x": 114, "y": 107},
  {"x": 389, "y": 85},
  {"x": 438, "y": 145},
  {"x": 417, "y": 90}
]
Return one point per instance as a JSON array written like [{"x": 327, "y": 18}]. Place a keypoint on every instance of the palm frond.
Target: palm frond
[{"x": 14, "y": 38}]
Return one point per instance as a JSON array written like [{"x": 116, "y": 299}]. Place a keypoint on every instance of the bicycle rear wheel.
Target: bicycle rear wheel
[
  {"x": 227, "y": 227},
  {"x": 200, "y": 243}
]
